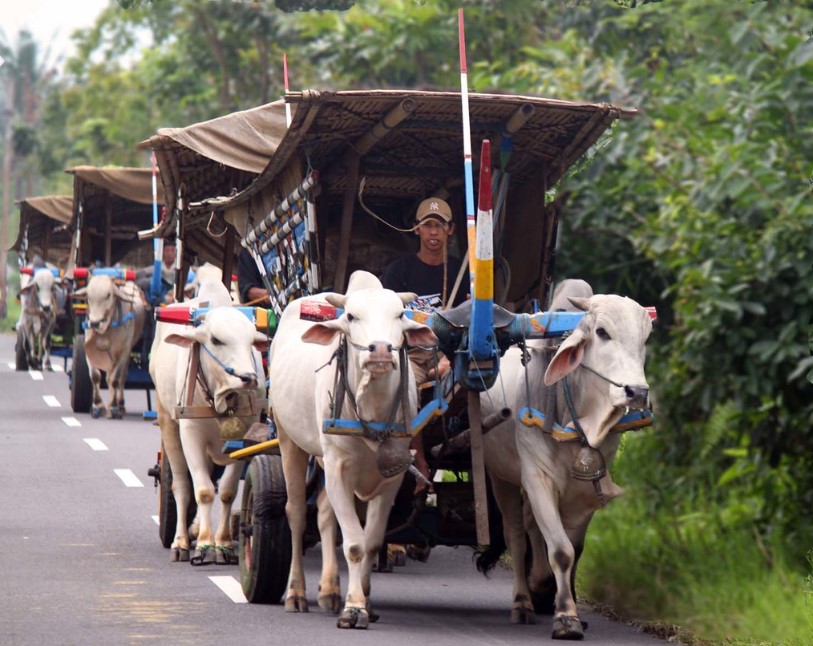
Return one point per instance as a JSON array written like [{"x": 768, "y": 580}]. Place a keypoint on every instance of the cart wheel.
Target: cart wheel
[
  {"x": 167, "y": 509},
  {"x": 21, "y": 352},
  {"x": 81, "y": 386},
  {"x": 265, "y": 538}
]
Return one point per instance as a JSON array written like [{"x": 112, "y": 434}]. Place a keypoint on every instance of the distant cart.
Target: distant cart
[
  {"x": 318, "y": 199},
  {"x": 110, "y": 206},
  {"x": 44, "y": 233}
]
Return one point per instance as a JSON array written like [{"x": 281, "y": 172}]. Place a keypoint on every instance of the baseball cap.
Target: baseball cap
[{"x": 434, "y": 207}]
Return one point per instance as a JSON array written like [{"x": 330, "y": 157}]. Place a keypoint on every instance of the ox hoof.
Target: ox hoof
[
  {"x": 178, "y": 555},
  {"x": 523, "y": 616},
  {"x": 115, "y": 413},
  {"x": 96, "y": 412},
  {"x": 296, "y": 603},
  {"x": 354, "y": 618},
  {"x": 331, "y": 603},
  {"x": 49, "y": 367},
  {"x": 204, "y": 555},
  {"x": 225, "y": 556},
  {"x": 565, "y": 627}
]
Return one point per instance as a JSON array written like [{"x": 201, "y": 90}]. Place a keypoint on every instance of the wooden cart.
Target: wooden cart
[{"x": 318, "y": 199}]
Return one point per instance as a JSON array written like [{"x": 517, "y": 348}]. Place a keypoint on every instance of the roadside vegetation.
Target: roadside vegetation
[{"x": 700, "y": 206}]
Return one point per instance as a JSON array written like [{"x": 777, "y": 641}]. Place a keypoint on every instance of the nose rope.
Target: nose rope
[
  {"x": 245, "y": 378},
  {"x": 604, "y": 377}
]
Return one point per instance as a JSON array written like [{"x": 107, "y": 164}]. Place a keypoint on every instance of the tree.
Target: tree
[{"x": 25, "y": 77}]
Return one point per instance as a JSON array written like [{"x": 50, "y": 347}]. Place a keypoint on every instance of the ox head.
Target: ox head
[
  {"x": 373, "y": 323},
  {"x": 609, "y": 344},
  {"x": 103, "y": 296},
  {"x": 41, "y": 291},
  {"x": 228, "y": 363}
]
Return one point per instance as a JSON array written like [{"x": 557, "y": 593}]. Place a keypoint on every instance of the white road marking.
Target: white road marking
[
  {"x": 156, "y": 520},
  {"x": 95, "y": 444},
  {"x": 58, "y": 368},
  {"x": 129, "y": 478},
  {"x": 51, "y": 401},
  {"x": 12, "y": 365},
  {"x": 71, "y": 421},
  {"x": 36, "y": 375},
  {"x": 231, "y": 587}
]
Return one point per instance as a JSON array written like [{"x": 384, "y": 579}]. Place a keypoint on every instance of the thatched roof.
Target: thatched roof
[{"x": 43, "y": 227}]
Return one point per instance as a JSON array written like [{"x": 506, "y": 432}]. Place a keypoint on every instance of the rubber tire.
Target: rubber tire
[
  {"x": 265, "y": 554},
  {"x": 167, "y": 509},
  {"x": 81, "y": 385},
  {"x": 21, "y": 355}
]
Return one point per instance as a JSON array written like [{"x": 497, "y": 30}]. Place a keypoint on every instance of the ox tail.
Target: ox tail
[{"x": 485, "y": 558}]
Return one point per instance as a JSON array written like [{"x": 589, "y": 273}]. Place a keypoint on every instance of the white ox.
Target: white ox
[
  {"x": 230, "y": 379},
  {"x": 378, "y": 380},
  {"x": 115, "y": 319},
  {"x": 38, "y": 297},
  {"x": 603, "y": 363},
  {"x": 207, "y": 272}
]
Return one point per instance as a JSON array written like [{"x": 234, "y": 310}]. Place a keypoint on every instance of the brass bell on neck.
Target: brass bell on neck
[
  {"x": 589, "y": 464},
  {"x": 392, "y": 457}
]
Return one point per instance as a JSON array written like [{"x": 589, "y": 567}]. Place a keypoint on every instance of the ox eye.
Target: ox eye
[
  {"x": 350, "y": 318},
  {"x": 216, "y": 341},
  {"x": 601, "y": 333},
  {"x": 401, "y": 315}
]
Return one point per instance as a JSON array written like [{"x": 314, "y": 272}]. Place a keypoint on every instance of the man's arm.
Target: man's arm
[{"x": 249, "y": 280}]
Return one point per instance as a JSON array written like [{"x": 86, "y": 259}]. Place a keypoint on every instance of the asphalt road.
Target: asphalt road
[{"x": 81, "y": 561}]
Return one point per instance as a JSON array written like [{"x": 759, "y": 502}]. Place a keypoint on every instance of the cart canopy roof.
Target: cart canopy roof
[
  {"x": 219, "y": 156},
  {"x": 409, "y": 146},
  {"x": 116, "y": 203},
  {"x": 43, "y": 227}
]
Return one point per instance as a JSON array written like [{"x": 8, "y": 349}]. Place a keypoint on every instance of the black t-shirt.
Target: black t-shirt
[
  {"x": 410, "y": 274},
  {"x": 248, "y": 275}
]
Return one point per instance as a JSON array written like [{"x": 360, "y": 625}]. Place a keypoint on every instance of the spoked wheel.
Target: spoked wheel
[
  {"x": 81, "y": 385},
  {"x": 167, "y": 509},
  {"x": 21, "y": 352},
  {"x": 265, "y": 538}
]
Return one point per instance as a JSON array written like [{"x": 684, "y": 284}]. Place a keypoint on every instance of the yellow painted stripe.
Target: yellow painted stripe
[{"x": 484, "y": 279}]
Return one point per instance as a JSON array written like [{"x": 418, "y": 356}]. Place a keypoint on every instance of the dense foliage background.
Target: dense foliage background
[{"x": 701, "y": 206}]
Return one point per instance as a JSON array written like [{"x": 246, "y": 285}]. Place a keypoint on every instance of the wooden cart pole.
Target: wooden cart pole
[{"x": 478, "y": 469}]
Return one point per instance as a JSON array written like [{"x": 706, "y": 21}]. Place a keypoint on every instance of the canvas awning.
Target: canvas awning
[
  {"x": 217, "y": 157},
  {"x": 110, "y": 206},
  {"x": 43, "y": 227}
]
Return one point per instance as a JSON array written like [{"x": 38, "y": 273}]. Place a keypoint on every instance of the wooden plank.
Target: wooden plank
[{"x": 478, "y": 469}]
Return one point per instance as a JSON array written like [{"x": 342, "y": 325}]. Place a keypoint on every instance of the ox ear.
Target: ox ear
[
  {"x": 261, "y": 341},
  {"x": 407, "y": 297},
  {"x": 579, "y": 302},
  {"x": 184, "y": 337},
  {"x": 323, "y": 333},
  {"x": 337, "y": 300},
  {"x": 27, "y": 288},
  {"x": 419, "y": 334},
  {"x": 567, "y": 358}
]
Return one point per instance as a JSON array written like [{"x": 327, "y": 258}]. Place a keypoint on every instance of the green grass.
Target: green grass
[{"x": 678, "y": 564}]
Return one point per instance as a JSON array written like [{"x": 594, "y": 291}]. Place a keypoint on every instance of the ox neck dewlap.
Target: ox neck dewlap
[{"x": 342, "y": 392}]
